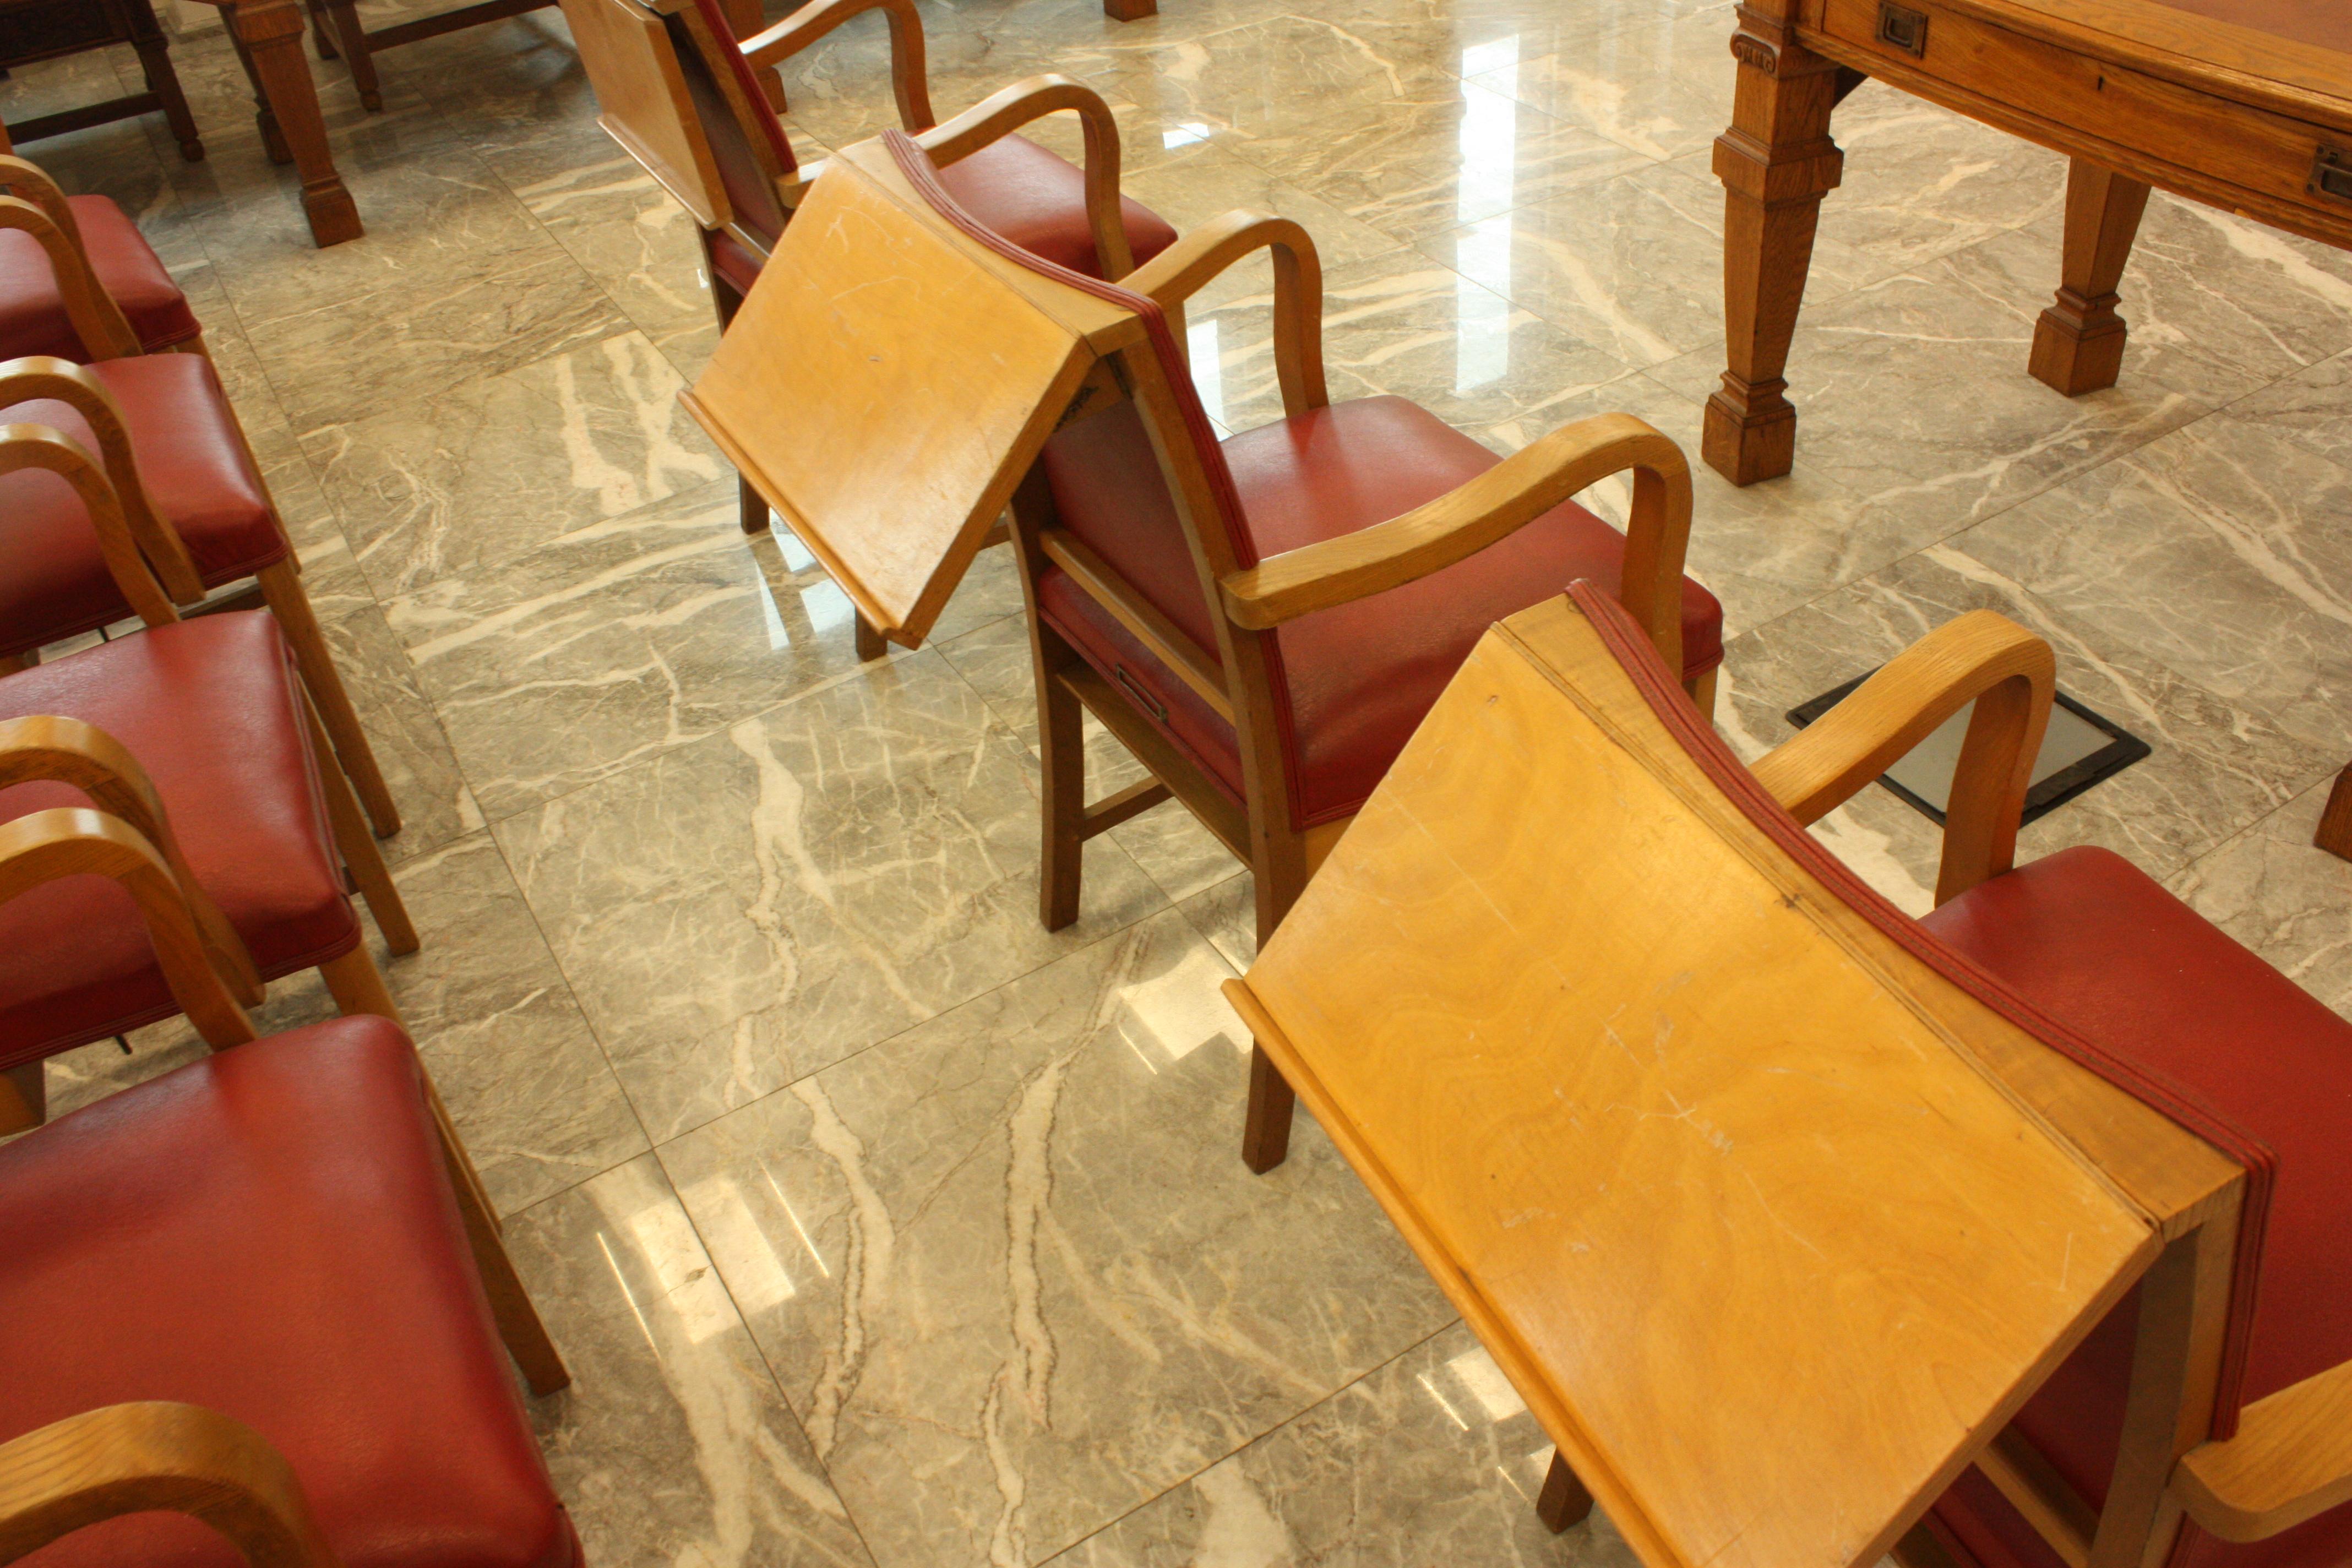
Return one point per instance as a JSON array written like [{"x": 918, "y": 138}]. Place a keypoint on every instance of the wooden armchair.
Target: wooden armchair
[
  {"x": 2014, "y": 1237},
  {"x": 682, "y": 96},
  {"x": 77, "y": 278},
  {"x": 276, "y": 1296},
  {"x": 183, "y": 478}
]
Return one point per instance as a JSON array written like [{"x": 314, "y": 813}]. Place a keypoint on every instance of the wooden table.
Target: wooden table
[
  {"x": 2245, "y": 104},
  {"x": 268, "y": 38}
]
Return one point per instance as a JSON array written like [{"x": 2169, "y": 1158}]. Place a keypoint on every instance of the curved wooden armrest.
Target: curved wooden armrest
[
  {"x": 910, "y": 76},
  {"x": 69, "y": 752},
  {"x": 22, "y": 177},
  {"x": 1472, "y": 516},
  {"x": 39, "y": 446},
  {"x": 1982, "y": 658},
  {"x": 1004, "y": 111},
  {"x": 2291, "y": 1459},
  {"x": 97, "y": 320},
  {"x": 1176, "y": 273},
  {"x": 183, "y": 1459},
  {"x": 62, "y": 381},
  {"x": 75, "y": 841}
]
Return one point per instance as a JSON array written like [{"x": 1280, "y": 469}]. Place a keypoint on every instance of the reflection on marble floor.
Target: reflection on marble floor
[{"x": 883, "y": 1227}]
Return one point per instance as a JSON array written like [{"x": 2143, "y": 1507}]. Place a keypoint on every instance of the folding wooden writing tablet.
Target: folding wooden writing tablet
[
  {"x": 643, "y": 101},
  {"x": 1750, "y": 1203},
  {"x": 888, "y": 381}
]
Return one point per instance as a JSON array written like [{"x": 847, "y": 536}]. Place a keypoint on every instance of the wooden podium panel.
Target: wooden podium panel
[
  {"x": 1710, "y": 1162},
  {"x": 643, "y": 102},
  {"x": 887, "y": 382}
]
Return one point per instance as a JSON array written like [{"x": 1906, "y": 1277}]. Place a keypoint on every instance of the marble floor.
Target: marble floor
[{"x": 882, "y": 1228}]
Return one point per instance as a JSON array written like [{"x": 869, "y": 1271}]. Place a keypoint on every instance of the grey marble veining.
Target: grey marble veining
[
  {"x": 672, "y": 1445},
  {"x": 448, "y": 487},
  {"x": 2221, "y": 551},
  {"x": 1010, "y": 1267},
  {"x": 741, "y": 911},
  {"x": 1432, "y": 1459}
]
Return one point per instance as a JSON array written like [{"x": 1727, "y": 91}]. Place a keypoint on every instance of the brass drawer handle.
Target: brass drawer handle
[
  {"x": 1903, "y": 27},
  {"x": 1143, "y": 699},
  {"x": 2331, "y": 174}
]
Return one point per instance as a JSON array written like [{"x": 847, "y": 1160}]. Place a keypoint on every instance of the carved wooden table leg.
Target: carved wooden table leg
[
  {"x": 2078, "y": 344},
  {"x": 1776, "y": 163},
  {"x": 1564, "y": 1502},
  {"x": 2335, "y": 834},
  {"x": 269, "y": 34}
]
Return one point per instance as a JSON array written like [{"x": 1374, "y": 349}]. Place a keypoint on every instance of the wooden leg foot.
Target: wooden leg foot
[
  {"x": 871, "y": 644},
  {"x": 269, "y": 34},
  {"x": 1062, "y": 745},
  {"x": 1750, "y": 440},
  {"x": 1265, "y": 1134},
  {"x": 1130, "y": 10},
  {"x": 2335, "y": 834},
  {"x": 2078, "y": 343},
  {"x": 1564, "y": 1502}
]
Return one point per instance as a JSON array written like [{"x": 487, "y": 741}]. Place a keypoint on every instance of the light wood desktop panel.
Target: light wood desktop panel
[
  {"x": 885, "y": 391},
  {"x": 1738, "y": 1214},
  {"x": 643, "y": 104}
]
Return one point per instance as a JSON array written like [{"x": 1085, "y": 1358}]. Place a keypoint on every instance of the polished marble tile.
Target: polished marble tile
[
  {"x": 1436, "y": 158},
  {"x": 2218, "y": 550},
  {"x": 1657, "y": 83},
  {"x": 741, "y": 911},
  {"x": 1921, "y": 182},
  {"x": 1912, "y": 394},
  {"x": 628, "y": 234},
  {"x": 615, "y": 642},
  {"x": 2312, "y": 409},
  {"x": 1432, "y": 1459},
  {"x": 1282, "y": 74},
  {"x": 673, "y": 1445},
  {"x": 448, "y": 487},
  {"x": 1012, "y": 1272},
  {"x": 363, "y": 354}
]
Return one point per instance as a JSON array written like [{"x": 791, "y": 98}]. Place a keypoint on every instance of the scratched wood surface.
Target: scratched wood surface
[{"x": 1699, "y": 1152}]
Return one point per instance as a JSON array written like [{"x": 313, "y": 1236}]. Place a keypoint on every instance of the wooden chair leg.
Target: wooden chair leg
[
  {"x": 155, "y": 59},
  {"x": 357, "y": 986},
  {"x": 2335, "y": 834},
  {"x": 281, "y": 590},
  {"x": 871, "y": 644},
  {"x": 1564, "y": 1502},
  {"x": 510, "y": 1306},
  {"x": 265, "y": 120},
  {"x": 24, "y": 1097},
  {"x": 1702, "y": 693},
  {"x": 755, "y": 508},
  {"x": 352, "y": 35},
  {"x": 1062, "y": 744},
  {"x": 1265, "y": 1134},
  {"x": 320, "y": 38},
  {"x": 360, "y": 853},
  {"x": 11, "y": 663}
]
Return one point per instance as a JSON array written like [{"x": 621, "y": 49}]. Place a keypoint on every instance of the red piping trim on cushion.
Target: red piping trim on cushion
[
  {"x": 917, "y": 166},
  {"x": 733, "y": 47},
  {"x": 1625, "y": 640}
]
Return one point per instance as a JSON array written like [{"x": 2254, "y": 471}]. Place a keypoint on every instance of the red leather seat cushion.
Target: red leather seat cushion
[
  {"x": 1037, "y": 199},
  {"x": 210, "y": 708},
  {"x": 2091, "y": 940},
  {"x": 192, "y": 461},
  {"x": 1358, "y": 677},
  {"x": 33, "y": 314},
  {"x": 268, "y": 1232}
]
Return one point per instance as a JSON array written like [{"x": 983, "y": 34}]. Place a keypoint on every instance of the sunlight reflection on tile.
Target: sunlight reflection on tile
[{"x": 1489, "y": 132}]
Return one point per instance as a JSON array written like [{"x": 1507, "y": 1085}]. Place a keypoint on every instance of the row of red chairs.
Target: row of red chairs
[{"x": 259, "y": 1306}]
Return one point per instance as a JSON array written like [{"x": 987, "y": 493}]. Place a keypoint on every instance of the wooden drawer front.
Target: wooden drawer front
[{"x": 2227, "y": 143}]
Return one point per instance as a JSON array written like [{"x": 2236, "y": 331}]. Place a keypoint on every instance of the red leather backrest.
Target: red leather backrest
[{"x": 751, "y": 190}]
